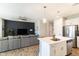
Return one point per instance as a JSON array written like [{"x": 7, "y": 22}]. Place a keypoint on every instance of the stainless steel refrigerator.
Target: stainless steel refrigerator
[{"x": 71, "y": 31}]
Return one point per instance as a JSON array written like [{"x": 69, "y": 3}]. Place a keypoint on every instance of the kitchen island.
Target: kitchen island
[{"x": 48, "y": 47}]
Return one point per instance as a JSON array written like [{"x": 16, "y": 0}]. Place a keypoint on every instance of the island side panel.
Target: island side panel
[{"x": 44, "y": 48}]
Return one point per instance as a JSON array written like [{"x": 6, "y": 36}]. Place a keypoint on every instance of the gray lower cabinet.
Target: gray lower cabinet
[
  {"x": 22, "y": 42},
  {"x": 0, "y": 46},
  {"x": 25, "y": 42},
  {"x": 11, "y": 43},
  {"x": 33, "y": 40},
  {"x": 16, "y": 43},
  {"x": 4, "y": 45},
  {"x": 28, "y": 41},
  {"x": 36, "y": 41}
]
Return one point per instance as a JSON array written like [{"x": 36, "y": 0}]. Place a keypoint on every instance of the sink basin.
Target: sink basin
[{"x": 56, "y": 39}]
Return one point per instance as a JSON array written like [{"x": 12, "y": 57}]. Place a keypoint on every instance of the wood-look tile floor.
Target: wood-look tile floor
[
  {"x": 31, "y": 51},
  {"x": 75, "y": 52}
]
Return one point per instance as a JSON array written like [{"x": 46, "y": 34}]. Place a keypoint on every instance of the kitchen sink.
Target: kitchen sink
[{"x": 56, "y": 39}]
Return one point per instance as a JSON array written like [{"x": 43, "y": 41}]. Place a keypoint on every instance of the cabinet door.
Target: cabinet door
[
  {"x": 52, "y": 50},
  {"x": 33, "y": 41},
  {"x": 57, "y": 51},
  {"x": 11, "y": 43},
  {"x": 60, "y": 49},
  {"x": 22, "y": 42},
  {"x": 36, "y": 41},
  {"x": 4, "y": 45},
  {"x": 0, "y": 46},
  {"x": 16, "y": 43},
  {"x": 77, "y": 42},
  {"x": 27, "y": 43}
]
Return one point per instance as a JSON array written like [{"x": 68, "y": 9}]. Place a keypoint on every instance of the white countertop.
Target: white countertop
[
  {"x": 77, "y": 36},
  {"x": 49, "y": 41}
]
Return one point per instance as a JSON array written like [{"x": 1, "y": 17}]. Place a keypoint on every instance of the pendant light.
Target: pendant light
[{"x": 44, "y": 19}]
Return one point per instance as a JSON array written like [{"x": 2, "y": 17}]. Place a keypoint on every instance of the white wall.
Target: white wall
[
  {"x": 72, "y": 21},
  {"x": 49, "y": 28},
  {"x": 34, "y": 11},
  {"x": 58, "y": 26},
  {"x": 45, "y": 29},
  {"x": 59, "y": 23},
  {"x": 14, "y": 10}
]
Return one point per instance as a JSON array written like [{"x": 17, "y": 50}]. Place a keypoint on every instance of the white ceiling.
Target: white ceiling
[{"x": 36, "y": 11}]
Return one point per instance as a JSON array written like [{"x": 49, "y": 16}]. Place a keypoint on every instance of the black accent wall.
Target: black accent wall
[{"x": 11, "y": 27}]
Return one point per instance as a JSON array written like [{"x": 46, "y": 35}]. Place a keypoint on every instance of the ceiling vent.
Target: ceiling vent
[
  {"x": 22, "y": 18},
  {"x": 75, "y": 4}
]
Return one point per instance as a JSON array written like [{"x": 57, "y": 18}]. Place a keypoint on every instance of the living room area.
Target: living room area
[
  {"x": 39, "y": 29},
  {"x": 20, "y": 28}
]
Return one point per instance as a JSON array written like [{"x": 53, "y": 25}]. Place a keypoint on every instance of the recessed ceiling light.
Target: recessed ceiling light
[
  {"x": 58, "y": 11},
  {"x": 44, "y": 6}
]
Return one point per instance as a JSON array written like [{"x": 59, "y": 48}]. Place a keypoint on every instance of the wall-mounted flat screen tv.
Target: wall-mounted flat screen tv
[{"x": 22, "y": 32}]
